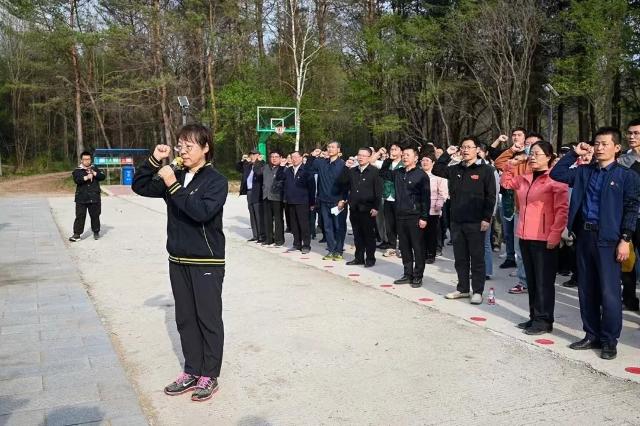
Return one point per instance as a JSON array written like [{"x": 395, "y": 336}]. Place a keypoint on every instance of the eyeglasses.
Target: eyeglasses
[
  {"x": 467, "y": 148},
  {"x": 186, "y": 147},
  {"x": 633, "y": 133},
  {"x": 539, "y": 154}
]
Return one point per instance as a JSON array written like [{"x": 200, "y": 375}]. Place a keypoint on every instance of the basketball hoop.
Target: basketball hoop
[{"x": 280, "y": 130}]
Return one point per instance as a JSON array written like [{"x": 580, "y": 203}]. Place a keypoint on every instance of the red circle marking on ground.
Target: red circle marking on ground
[
  {"x": 354, "y": 275},
  {"x": 632, "y": 370},
  {"x": 425, "y": 299},
  {"x": 545, "y": 342},
  {"x": 478, "y": 319},
  {"x": 386, "y": 285},
  {"x": 304, "y": 258}
]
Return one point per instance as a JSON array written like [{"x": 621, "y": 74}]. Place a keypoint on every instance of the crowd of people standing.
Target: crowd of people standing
[{"x": 572, "y": 212}]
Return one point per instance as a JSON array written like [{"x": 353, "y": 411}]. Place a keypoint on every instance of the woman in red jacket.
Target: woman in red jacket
[{"x": 543, "y": 215}]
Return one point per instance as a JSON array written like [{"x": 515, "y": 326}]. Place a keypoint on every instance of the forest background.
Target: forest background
[{"x": 86, "y": 74}]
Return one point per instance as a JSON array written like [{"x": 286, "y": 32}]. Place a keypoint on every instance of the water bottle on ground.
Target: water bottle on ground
[{"x": 491, "y": 300}]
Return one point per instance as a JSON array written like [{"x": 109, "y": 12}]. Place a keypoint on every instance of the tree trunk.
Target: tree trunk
[
  {"x": 98, "y": 115},
  {"x": 76, "y": 84},
  {"x": 211, "y": 71},
  {"x": 259, "y": 28},
  {"x": 560, "y": 126},
  {"x": 583, "y": 122},
  {"x": 159, "y": 69}
]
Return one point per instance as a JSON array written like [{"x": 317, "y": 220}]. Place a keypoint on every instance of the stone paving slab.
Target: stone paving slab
[{"x": 57, "y": 363}]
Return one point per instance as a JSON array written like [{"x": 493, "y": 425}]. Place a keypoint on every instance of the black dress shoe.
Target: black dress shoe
[
  {"x": 252, "y": 239},
  {"x": 369, "y": 263},
  {"x": 609, "y": 351},
  {"x": 383, "y": 246},
  {"x": 570, "y": 283},
  {"x": 585, "y": 344},
  {"x": 355, "y": 262},
  {"x": 508, "y": 264},
  {"x": 525, "y": 324},
  {"x": 535, "y": 329},
  {"x": 405, "y": 279},
  {"x": 430, "y": 260},
  {"x": 416, "y": 283},
  {"x": 323, "y": 240}
]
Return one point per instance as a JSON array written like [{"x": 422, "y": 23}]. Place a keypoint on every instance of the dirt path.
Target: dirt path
[{"x": 50, "y": 184}]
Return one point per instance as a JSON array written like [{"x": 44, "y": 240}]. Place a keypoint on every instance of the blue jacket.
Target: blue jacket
[
  {"x": 301, "y": 188},
  {"x": 619, "y": 199},
  {"x": 329, "y": 188}
]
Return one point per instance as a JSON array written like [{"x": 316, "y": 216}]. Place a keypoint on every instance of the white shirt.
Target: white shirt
[{"x": 187, "y": 178}]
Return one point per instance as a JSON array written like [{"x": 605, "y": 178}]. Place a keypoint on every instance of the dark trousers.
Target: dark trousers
[
  {"x": 508, "y": 235},
  {"x": 389, "y": 209},
  {"x": 411, "y": 241},
  {"x": 81, "y": 216},
  {"x": 299, "y": 224},
  {"x": 468, "y": 251},
  {"x": 445, "y": 221},
  {"x": 364, "y": 234},
  {"x": 197, "y": 291},
  {"x": 334, "y": 227},
  {"x": 431, "y": 235},
  {"x": 313, "y": 214},
  {"x": 255, "y": 218},
  {"x": 273, "y": 222},
  {"x": 540, "y": 266},
  {"x": 599, "y": 287}
]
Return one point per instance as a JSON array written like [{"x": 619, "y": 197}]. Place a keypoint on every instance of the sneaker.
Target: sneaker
[
  {"x": 456, "y": 295},
  {"x": 476, "y": 299},
  {"x": 184, "y": 383},
  {"x": 74, "y": 238},
  {"x": 518, "y": 289},
  {"x": 96, "y": 235},
  {"x": 305, "y": 250},
  {"x": 508, "y": 264},
  {"x": 205, "y": 389},
  {"x": 390, "y": 252},
  {"x": 328, "y": 256},
  {"x": 337, "y": 256},
  {"x": 438, "y": 252}
]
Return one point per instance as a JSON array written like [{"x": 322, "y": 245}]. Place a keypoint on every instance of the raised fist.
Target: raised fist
[
  {"x": 161, "y": 152},
  {"x": 583, "y": 148},
  {"x": 452, "y": 150}
]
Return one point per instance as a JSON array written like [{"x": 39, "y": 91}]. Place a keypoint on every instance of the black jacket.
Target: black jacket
[
  {"x": 365, "y": 188},
  {"x": 194, "y": 213},
  {"x": 472, "y": 190},
  {"x": 87, "y": 191},
  {"x": 299, "y": 188},
  {"x": 413, "y": 192},
  {"x": 245, "y": 168}
]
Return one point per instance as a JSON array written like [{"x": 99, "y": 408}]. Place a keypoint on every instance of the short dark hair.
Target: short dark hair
[
  {"x": 430, "y": 155},
  {"x": 200, "y": 134},
  {"x": 633, "y": 123},
  {"x": 614, "y": 132},
  {"x": 293, "y": 152},
  {"x": 398, "y": 144},
  {"x": 482, "y": 147},
  {"x": 470, "y": 138},
  {"x": 275, "y": 151},
  {"x": 534, "y": 135},
  {"x": 412, "y": 147},
  {"x": 83, "y": 153},
  {"x": 522, "y": 129},
  {"x": 365, "y": 148}
]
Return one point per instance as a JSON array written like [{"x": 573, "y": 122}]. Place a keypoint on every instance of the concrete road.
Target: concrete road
[{"x": 309, "y": 344}]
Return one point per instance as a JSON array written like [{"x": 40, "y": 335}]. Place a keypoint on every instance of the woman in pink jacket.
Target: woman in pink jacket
[
  {"x": 439, "y": 194},
  {"x": 543, "y": 215}
]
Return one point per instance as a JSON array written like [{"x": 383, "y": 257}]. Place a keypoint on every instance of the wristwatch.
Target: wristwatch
[{"x": 626, "y": 237}]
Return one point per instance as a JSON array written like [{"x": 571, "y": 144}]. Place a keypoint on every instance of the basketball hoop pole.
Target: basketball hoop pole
[{"x": 262, "y": 143}]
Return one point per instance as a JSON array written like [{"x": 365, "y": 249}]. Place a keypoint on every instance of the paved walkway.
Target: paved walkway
[
  {"x": 57, "y": 364},
  {"x": 309, "y": 344}
]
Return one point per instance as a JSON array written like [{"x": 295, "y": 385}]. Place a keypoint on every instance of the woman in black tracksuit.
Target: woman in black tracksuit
[{"x": 195, "y": 196}]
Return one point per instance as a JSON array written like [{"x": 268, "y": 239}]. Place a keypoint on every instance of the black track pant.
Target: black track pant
[
  {"x": 468, "y": 251},
  {"x": 364, "y": 234},
  {"x": 411, "y": 240},
  {"x": 431, "y": 235},
  {"x": 81, "y": 216},
  {"x": 540, "y": 266},
  {"x": 197, "y": 291}
]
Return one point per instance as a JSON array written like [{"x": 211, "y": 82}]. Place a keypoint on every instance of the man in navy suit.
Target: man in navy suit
[
  {"x": 299, "y": 193},
  {"x": 251, "y": 185},
  {"x": 603, "y": 213}
]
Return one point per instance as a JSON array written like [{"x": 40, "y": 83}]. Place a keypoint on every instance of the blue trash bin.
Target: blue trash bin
[{"x": 127, "y": 175}]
